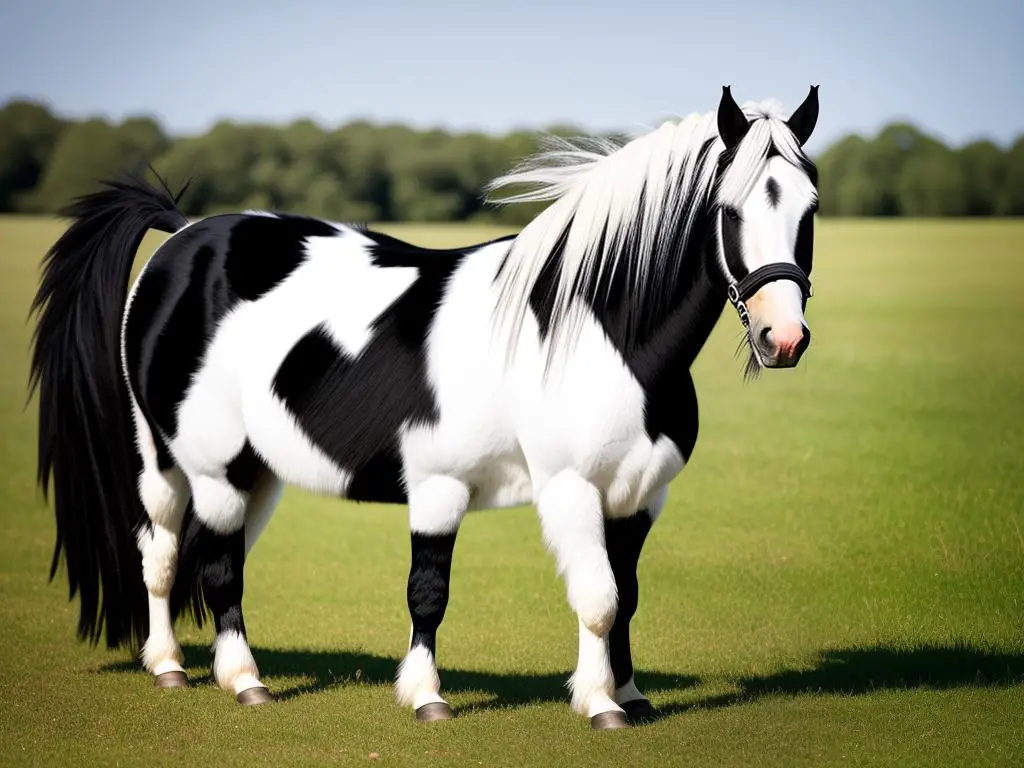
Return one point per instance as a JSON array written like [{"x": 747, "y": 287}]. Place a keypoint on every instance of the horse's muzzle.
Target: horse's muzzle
[{"x": 782, "y": 346}]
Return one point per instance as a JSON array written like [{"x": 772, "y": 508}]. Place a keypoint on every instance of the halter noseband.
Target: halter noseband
[{"x": 739, "y": 292}]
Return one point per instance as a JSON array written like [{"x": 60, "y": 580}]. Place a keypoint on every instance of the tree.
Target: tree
[
  {"x": 846, "y": 186},
  {"x": 931, "y": 183},
  {"x": 983, "y": 176},
  {"x": 28, "y": 134},
  {"x": 1010, "y": 201},
  {"x": 368, "y": 172},
  {"x": 91, "y": 151}
]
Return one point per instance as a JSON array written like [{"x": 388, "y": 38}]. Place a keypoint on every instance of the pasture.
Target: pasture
[{"x": 838, "y": 577}]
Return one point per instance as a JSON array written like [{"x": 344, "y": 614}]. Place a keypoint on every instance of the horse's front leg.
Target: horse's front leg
[
  {"x": 573, "y": 525},
  {"x": 436, "y": 508},
  {"x": 625, "y": 537}
]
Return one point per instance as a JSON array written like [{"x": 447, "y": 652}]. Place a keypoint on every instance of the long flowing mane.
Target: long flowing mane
[{"x": 625, "y": 214}]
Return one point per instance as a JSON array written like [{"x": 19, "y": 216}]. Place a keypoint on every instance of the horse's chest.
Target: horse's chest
[{"x": 628, "y": 483}]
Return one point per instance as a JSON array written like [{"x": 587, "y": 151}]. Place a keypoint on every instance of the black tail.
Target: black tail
[{"x": 86, "y": 434}]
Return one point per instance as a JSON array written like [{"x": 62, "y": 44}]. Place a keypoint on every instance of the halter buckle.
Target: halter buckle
[
  {"x": 734, "y": 294},
  {"x": 741, "y": 308}
]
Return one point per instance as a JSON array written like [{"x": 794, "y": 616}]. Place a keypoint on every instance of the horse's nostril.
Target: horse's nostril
[
  {"x": 764, "y": 335},
  {"x": 805, "y": 340}
]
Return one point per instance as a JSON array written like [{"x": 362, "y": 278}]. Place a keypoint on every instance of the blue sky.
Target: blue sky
[{"x": 955, "y": 68}]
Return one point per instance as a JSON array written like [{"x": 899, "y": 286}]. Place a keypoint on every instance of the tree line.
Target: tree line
[{"x": 369, "y": 172}]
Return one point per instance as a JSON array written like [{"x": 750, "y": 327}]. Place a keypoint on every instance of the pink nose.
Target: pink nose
[{"x": 790, "y": 340}]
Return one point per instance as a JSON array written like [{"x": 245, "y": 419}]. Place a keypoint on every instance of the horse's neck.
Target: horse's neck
[{"x": 681, "y": 332}]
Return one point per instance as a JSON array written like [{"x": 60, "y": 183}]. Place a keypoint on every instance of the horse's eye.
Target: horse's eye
[{"x": 731, "y": 214}]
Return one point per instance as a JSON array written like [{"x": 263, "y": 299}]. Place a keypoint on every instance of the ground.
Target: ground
[{"x": 838, "y": 577}]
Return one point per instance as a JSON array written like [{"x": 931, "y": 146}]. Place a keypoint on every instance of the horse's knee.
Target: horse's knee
[
  {"x": 437, "y": 505},
  {"x": 592, "y": 592},
  {"x": 573, "y": 525},
  {"x": 159, "y": 548},
  {"x": 218, "y": 504},
  {"x": 163, "y": 495}
]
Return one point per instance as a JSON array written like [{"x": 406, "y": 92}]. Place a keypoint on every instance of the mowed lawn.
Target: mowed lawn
[{"x": 838, "y": 577}]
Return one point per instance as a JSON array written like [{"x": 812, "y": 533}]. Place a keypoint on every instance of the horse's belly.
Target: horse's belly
[{"x": 504, "y": 482}]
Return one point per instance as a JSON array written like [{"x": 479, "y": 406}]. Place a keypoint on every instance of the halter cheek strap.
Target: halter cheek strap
[{"x": 739, "y": 292}]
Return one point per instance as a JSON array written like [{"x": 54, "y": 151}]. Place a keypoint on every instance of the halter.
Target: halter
[{"x": 739, "y": 292}]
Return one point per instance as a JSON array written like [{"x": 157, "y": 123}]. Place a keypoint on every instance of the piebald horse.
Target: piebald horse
[{"x": 549, "y": 368}]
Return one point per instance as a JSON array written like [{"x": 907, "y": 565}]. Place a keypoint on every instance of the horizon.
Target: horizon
[{"x": 951, "y": 77}]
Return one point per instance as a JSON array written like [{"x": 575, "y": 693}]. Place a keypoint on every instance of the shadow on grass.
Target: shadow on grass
[
  {"x": 842, "y": 671},
  {"x": 857, "y": 671},
  {"x": 324, "y": 670}
]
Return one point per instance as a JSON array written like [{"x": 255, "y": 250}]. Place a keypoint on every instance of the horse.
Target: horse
[{"x": 550, "y": 367}]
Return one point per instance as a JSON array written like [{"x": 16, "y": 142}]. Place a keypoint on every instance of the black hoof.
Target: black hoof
[
  {"x": 607, "y": 721},
  {"x": 436, "y": 710},
  {"x": 250, "y": 697},
  {"x": 638, "y": 709},
  {"x": 174, "y": 679}
]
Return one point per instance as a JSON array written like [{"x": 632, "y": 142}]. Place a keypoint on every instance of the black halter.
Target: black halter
[{"x": 739, "y": 292}]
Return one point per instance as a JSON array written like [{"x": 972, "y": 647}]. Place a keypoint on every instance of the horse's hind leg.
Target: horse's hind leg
[
  {"x": 164, "y": 494},
  {"x": 223, "y": 509},
  {"x": 436, "y": 508}
]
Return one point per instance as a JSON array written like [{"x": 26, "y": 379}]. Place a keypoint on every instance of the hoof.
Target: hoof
[
  {"x": 173, "y": 679},
  {"x": 607, "y": 721},
  {"x": 436, "y": 710},
  {"x": 250, "y": 697},
  {"x": 638, "y": 709}
]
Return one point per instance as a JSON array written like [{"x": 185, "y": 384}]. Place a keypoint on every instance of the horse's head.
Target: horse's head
[{"x": 765, "y": 205}]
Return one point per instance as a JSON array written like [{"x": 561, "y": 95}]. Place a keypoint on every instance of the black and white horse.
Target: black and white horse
[{"x": 551, "y": 368}]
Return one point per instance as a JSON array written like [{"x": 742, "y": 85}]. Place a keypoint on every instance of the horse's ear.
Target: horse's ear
[
  {"x": 732, "y": 123},
  {"x": 802, "y": 122}
]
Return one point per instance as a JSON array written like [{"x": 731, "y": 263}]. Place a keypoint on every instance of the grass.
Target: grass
[{"x": 838, "y": 578}]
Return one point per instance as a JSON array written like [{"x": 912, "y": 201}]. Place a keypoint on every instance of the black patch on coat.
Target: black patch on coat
[
  {"x": 804, "y": 250},
  {"x": 662, "y": 365},
  {"x": 380, "y": 479},
  {"x": 178, "y": 350},
  {"x": 352, "y": 407},
  {"x": 773, "y": 191},
  {"x": 542, "y": 295},
  {"x": 220, "y": 562},
  {"x": 149, "y": 295},
  {"x": 732, "y": 244},
  {"x": 428, "y": 588},
  {"x": 245, "y": 469},
  {"x": 309, "y": 360},
  {"x": 389, "y": 251},
  {"x": 625, "y": 538},
  {"x": 263, "y": 251}
]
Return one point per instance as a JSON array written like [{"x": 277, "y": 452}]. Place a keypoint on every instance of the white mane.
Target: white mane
[{"x": 647, "y": 192}]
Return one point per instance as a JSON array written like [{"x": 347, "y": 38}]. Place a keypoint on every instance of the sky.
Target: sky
[{"x": 954, "y": 68}]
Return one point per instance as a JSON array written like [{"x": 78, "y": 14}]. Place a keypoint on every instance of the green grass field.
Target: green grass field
[{"x": 838, "y": 577}]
